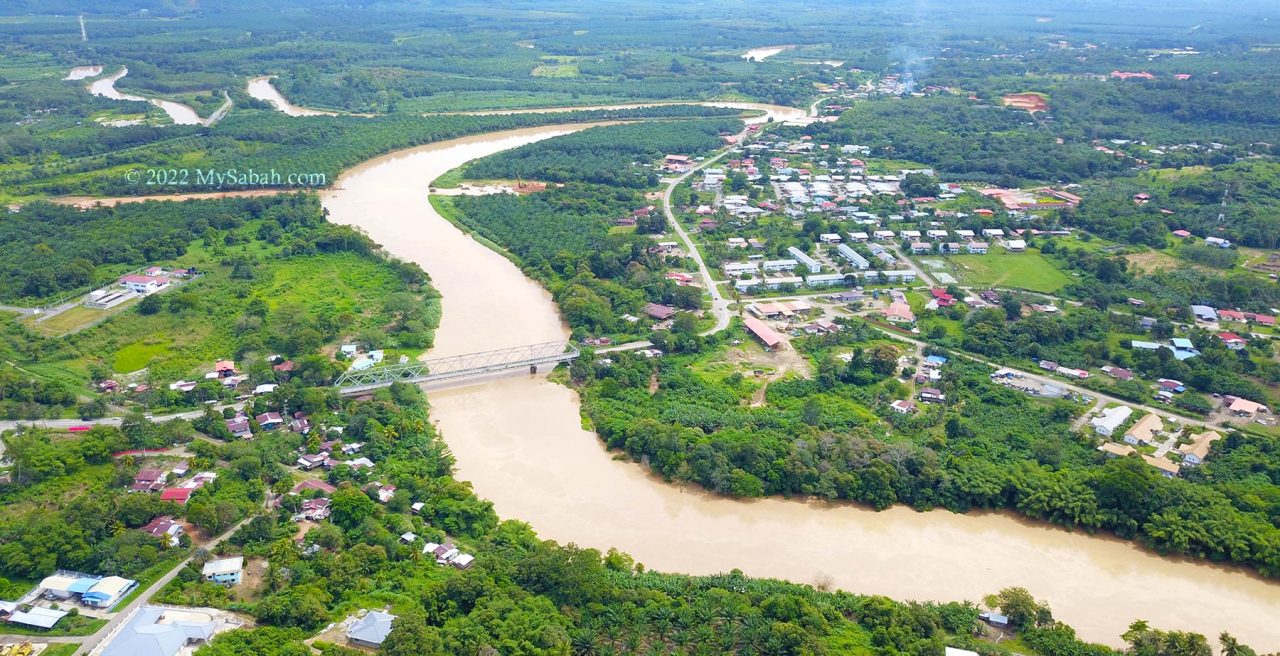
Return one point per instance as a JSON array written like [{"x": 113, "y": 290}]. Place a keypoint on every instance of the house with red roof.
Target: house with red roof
[
  {"x": 1181, "y": 234},
  {"x": 1231, "y": 315},
  {"x": 140, "y": 284},
  {"x": 1233, "y": 341},
  {"x": 149, "y": 480},
  {"x": 659, "y": 312},
  {"x": 313, "y": 484},
  {"x": 942, "y": 297},
  {"x": 1260, "y": 319},
  {"x": 165, "y": 529},
  {"x": 177, "y": 495}
]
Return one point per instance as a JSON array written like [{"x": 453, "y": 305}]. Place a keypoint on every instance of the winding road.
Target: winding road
[{"x": 521, "y": 442}]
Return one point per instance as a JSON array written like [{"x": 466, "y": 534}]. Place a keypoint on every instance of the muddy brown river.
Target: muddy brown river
[{"x": 520, "y": 441}]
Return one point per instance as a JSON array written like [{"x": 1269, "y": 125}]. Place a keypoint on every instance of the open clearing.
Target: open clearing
[{"x": 999, "y": 268}]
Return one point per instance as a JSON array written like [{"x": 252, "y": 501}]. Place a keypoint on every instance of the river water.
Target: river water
[
  {"x": 82, "y": 72},
  {"x": 261, "y": 88},
  {"x": 520, "y": 441},
  {"x": 180, "y": 114},
  {"x": 760, "y": 54}
]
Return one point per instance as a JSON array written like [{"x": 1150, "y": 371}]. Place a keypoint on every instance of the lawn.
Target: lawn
[
  {"x": 73, "y": 319},
  {"x": 998, "y": 268},
  {"x": 139, "y": 354}
]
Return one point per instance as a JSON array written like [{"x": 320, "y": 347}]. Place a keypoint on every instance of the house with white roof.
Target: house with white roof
[{"x": 1110, "y": 419}]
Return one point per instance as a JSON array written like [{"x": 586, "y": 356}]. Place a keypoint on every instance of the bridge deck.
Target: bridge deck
[{"x": 457, "y": 366}]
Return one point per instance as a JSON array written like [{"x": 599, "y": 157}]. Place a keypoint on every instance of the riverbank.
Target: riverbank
[
  {"x": 521, "y": 442},
  {"x": 179, "y": 113}
]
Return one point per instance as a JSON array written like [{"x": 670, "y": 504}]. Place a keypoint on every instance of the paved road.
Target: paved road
[
  {"x": 91, "y": 642},
  {"x": 719, "y": 304},
  {"x": 1058, "y": 382},
  {"x": 125, "y": 613},
  {"x": 108, "y": 421}
]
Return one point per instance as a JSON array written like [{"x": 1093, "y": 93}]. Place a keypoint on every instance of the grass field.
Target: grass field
[
  {"x": 556, "y": 70},
  {"x": 998, "y": 268},
  {"x": 67, "y": 321},
  {"x": 139, "y": 354}
]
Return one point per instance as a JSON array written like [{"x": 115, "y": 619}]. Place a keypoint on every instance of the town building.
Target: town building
[
  {"x": 803, "y": 258},
  {"x": 763, "y": 332}
]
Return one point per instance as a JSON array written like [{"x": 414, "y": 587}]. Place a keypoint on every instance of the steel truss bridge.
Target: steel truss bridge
[{"x": 457, "y": 366}]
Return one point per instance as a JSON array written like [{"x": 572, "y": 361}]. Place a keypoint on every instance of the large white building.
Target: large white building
[
  {"x": 739, "y": 268},
  {"x": 813, "y": 265},
  {"x": 1110, "y": 419},
  {"x": 853, "y": 257}
]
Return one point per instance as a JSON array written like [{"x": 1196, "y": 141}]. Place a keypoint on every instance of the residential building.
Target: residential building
[
  {"x": 803, "y": 258},
  {"x": 899, "y": 312},
  {"x": 735, "y": 269},
  {"x": 1246, "y": 408},
  {"x": 1016, "y": 245},
  {"x": 165, "y": 529},
  {"x": 1144, "y": 430},
  {"x": 825, "y": 279},
  {"x": 1195, "y": 452},
  {"x": 854, "y": 258},
  {"x": 149, "y": 480},
  {"x": 903, "y": 406},
  {"x": 1233, "y": 341},
  {"x": 150, "y": 633},
  {"x": 1167, "y": 469},
  {"x": 270, "y": 420},
  {"x": 315, "y": 510},
  {"x": 1204, "y": 313},
  {"x": 932, "y": 395},
  {"x": 659, "y": 312},
  {"x": 780, "y": 265},
  {"x": 1110, "y": 419},
  {"x": 371, "y": 630},
  {"x": 225, "y": 571},
  {"x": 978, "y": 247},
  {"x": 1116, "y": 450}
]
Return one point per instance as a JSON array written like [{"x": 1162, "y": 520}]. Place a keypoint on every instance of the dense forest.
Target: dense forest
[
  {"x": 618, "y": 156},
  {"x": 259, "y": 141},
  {"x": 562, "y": 237},
  {"x": 965, "y": 140},
  {"x": 523, "y": 595},
  {"x": 1246, "y": 195},
  {"x": 989, "y": 447}
]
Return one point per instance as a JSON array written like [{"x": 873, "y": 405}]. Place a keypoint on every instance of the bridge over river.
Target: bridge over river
[{"x": 458, "y": 366}]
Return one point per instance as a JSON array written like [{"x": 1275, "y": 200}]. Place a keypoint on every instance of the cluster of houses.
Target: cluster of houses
[
  {"x": 324, "y": 457},
  {"x": 1213, "y": 318},
  {"x": 1147, "y": 430},
  {"x": 240, "y": 427},
  {"x": 150, "y": 481}
]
